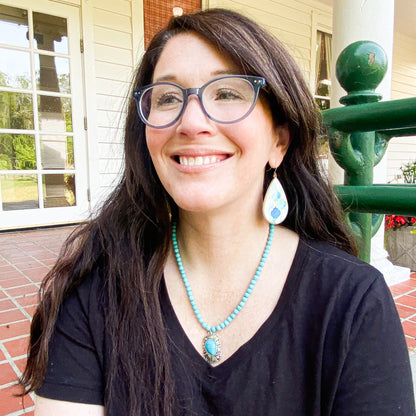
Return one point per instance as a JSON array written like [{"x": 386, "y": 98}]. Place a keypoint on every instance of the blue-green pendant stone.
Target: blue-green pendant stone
[{"x": 211, "y": 346}]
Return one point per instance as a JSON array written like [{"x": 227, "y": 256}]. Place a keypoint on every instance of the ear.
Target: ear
[{"x": 280, "y": 147}]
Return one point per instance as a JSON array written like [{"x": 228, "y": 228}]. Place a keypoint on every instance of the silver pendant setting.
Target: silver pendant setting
[{"x": 211, "y": 347}]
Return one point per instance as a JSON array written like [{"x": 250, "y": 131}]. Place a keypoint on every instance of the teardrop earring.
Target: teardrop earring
[{"x": 275, "y": 205}]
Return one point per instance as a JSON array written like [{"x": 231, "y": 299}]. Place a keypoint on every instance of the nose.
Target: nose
[{"x": 194, "y": 121}]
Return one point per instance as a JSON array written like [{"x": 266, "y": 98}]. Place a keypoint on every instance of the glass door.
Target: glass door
[{"x": 43, "y": 175}]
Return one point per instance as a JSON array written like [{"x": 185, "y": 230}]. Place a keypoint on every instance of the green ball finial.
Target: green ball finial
[{"x": 360, "y": 68}]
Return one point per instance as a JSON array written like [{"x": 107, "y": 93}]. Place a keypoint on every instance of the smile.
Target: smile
[{"x": 200, "y": 160}]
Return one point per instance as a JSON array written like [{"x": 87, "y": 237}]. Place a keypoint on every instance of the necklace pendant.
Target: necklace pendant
[{"x": 211, "y": 346}]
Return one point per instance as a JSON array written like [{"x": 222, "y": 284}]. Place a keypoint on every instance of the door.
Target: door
[{"x": 43, "y": 163}]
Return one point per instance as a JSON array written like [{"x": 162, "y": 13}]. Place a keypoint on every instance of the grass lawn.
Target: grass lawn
[{"x": 19, "y": 188}]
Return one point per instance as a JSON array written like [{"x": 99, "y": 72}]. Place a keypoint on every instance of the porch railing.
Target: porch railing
[{"x": 359, "y": 134}]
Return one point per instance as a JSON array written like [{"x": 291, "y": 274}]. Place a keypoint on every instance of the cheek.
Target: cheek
[{"x": 155, "y": 142}]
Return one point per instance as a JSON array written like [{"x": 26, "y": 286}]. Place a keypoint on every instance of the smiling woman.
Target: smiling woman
[{"x": 219, "y": 278}]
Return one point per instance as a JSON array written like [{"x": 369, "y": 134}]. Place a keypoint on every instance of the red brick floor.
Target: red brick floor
[{"x": 26, "y": 256}]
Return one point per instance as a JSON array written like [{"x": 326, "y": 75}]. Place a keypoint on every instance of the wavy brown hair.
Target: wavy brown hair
[{"x": 128, "y": 240}]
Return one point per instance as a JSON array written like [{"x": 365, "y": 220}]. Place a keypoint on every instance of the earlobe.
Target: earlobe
[{"x": 281, "y": 145}]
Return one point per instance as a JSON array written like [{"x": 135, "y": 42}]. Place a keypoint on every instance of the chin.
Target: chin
[{"x": 194, "y": 207}]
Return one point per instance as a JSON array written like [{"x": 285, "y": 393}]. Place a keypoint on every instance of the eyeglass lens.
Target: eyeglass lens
[{"x": 224, "y": 100}]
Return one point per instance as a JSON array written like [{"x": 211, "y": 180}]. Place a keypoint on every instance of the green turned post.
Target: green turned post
[{"x": 359, "y": 69}]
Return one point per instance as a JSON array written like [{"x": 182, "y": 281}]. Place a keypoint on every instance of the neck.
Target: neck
[{"x": 216, "y": 250}]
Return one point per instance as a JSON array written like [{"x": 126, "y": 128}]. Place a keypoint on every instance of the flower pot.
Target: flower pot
[{"x": 401, "y": 246}]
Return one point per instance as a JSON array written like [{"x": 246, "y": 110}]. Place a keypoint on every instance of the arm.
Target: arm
[
  {"x": 47, "y": 407},
  {"x": 76, "y": 362},
  {"x": 376, "y": 379}
]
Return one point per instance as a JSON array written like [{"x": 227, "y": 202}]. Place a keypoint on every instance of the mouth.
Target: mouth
[{"x": 200, "y": 160}]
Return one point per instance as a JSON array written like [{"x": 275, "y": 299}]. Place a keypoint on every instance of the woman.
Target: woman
[{"x": 180, "y": 298}]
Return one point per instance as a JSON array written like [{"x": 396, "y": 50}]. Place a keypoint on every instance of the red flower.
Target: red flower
[{"x": 397, "y": 221}]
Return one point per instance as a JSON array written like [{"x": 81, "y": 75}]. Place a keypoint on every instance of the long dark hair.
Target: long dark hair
[{"x": 129, "y": 239}]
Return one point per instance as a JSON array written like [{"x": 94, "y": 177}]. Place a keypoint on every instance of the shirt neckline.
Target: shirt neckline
[{"x": 179, "y": 338}]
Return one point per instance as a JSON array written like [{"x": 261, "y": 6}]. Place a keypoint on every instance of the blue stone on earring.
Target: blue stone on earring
[{"x": 275, "y": 206}]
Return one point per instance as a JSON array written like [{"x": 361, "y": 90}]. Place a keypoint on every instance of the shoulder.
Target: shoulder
[
  {"x": 334, "y": 263},
  {"x": 335, "y": 279},
  {"x": 81, "y": 314}
]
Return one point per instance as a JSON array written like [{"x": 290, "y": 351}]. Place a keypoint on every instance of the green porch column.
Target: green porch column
[{"x": 359, "y": 69}]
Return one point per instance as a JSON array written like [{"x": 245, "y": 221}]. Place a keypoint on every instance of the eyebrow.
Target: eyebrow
[{"x": 171, "y": 77}]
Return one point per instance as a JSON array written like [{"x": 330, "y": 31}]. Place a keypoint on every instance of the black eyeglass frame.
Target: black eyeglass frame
[{"x": 257, "y": 83}]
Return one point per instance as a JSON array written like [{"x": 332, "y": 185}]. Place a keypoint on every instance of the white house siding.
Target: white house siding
[
  {"x": 113, "y": 67},
  {"x": 402, "y": 150},
  {"x": 116, "y": 31}
]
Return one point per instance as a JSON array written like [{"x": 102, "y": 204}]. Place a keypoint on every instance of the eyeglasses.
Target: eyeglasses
[{"x": 226, "y": 99}]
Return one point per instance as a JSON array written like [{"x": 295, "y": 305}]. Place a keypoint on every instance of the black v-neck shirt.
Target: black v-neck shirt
[{"x": 333, "y": 345}]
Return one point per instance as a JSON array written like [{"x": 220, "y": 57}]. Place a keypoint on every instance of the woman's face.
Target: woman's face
[{"x": 206, "y": 166}]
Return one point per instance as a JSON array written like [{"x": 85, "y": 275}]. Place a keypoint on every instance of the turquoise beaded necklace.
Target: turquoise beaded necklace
[{"x": 211, "y": 343}]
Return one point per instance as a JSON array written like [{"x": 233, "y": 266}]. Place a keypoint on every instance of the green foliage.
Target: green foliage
[
  {"x": 17, "y": 152},
  {"x": 70, "y": 153},
  {"x": 16, "y": 111},
  {"x": 409, "y": 172}
]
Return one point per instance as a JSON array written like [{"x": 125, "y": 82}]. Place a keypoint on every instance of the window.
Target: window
[
  {"x": 43, "y": 175},
  {"x": 323, "y": 69},
  {"x": 157, "y": 14}
]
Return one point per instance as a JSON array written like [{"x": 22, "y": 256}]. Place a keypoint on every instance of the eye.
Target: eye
[
  {"x": 168, "y": 98},
  {"x": 227, "y": 94}
]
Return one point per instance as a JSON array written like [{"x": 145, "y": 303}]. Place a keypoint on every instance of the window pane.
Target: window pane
[
  {"x": 15, "y": 69},
  {"x": 17, "y": 152},
  {"x": 323, "y": 64},
  {"x": 58, "y": 190},
  {"x": 323, "y": 103},
  {"x": 57, "y": 152},
  {"x": 16, "y": 111},
  {"x": 50, "y": 33},
  {"x": 19, "y": 192},
  {"x": 55, "y": 113},
  {"x": 52, "y": 73},
  {"x": 13, "y": 26}
]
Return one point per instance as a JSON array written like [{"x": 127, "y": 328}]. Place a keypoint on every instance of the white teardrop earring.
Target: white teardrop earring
[{"x": 275, "y": 205}]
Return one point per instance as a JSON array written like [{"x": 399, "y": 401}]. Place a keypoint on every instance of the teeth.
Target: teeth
[{"x": 199, "y": 160}]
